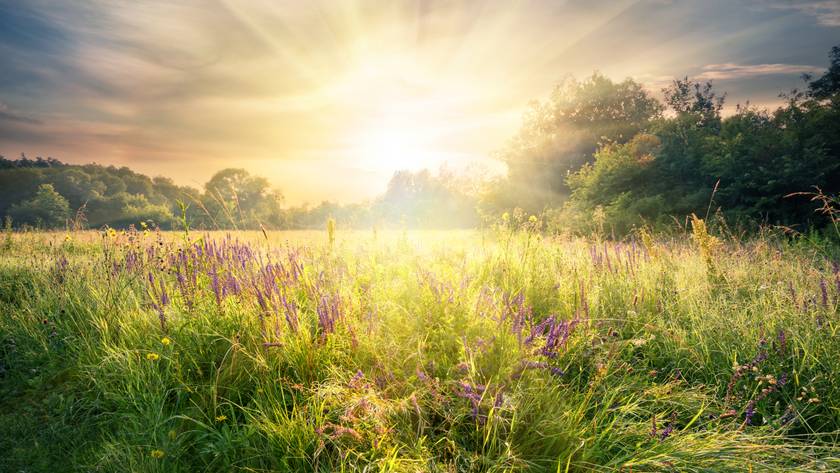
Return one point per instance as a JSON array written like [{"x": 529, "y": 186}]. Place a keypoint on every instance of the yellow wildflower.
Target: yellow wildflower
[
  {"x": 152, "y": 356},
  {"x": 165, "y": 341},
  {"x": 532, "y": 219},
  {"x": 157, "y": 453},
  {"x": 221, "y": 418}
]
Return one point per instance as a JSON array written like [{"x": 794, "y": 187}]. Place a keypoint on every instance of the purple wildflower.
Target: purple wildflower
[
  {"x": 749, "y": 412},
  {"x": 782, "y": 339},
  {"x": 214, "y": 283},
  {"x": 421, "y": 375},
  {"x": 290, "y": 313},
  {"x": 356, "y": 378},
  {"x": 160, "y": 298},
  {"x": 666, "y": 432},
  {"x": 497, "y": 403}
]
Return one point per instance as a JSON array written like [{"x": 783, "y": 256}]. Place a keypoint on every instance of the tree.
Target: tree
[
  {"x": 234, "y": 197},
  {"x": 47, "y": 208},
  {"x": 699, "y": 100},
  {"x": 755, "y": 160},
  {"x": 827, "y": 86},
  {"x": 421, "y": 199},
  {"x": 560, "y": 135}
]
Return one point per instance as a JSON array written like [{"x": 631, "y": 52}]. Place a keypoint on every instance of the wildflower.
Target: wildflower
[
  {"x": 356, "y": 378},
  {"x": 165, "y": 341},
  {"x": 67, "y": 237},
  {"x": 749, "y": 412},
  {"x": 157, "y": 453},
  {"x": 782, "y": 339},
  {"x": 221, "y": 418},
  {"x": 421, "y": 375},
  {"x": 666, "y": 432},
  {"x": 532, "y": 219},
  {"x": 497, "y": 403},
  {"x": 152, "y": 356}
]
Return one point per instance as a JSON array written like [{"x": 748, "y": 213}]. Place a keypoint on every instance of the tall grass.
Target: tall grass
[{"x": 453, "y": 351}]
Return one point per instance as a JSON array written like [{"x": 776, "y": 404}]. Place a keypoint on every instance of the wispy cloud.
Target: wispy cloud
[
  {"x": 7, "y": 114},
  {"x": 728, "y": 71},
  {"x": 827, "y": 12}
]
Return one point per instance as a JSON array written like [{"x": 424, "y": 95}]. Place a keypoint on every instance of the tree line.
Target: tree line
[
  {"x": 600, "y": 153},
  {"x": 47, "y": 193},
  {"x": 595, "y": 153}
]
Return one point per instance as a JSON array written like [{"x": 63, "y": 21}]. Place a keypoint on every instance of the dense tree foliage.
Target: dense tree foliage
[
  {"x": 98, "y": 195},
  {"x": 561, "y": 134},
  {"x": 47, "y": 207},
  {"x": 746, "y": 165}
]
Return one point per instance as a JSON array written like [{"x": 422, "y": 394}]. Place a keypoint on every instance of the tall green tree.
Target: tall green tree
[
  {"x": 47, "y": 208},
  {"x": 233, "y": 197},
  {"x": 561, "y": 134}
]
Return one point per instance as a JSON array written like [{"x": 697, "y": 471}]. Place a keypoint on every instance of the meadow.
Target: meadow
[{"x": 496, "y": 350}]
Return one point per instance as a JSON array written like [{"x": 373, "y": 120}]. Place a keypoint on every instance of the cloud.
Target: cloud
[
  {"x": 728, "y": 71},
  {"x": 7, "y": 114},
  {"x": 827, "y": 12}
]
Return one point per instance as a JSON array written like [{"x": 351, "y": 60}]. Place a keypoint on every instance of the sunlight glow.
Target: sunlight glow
[{"x": 394, "y": 147}]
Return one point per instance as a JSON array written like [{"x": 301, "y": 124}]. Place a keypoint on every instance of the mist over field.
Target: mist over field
[{"x": 444, "y": 236}]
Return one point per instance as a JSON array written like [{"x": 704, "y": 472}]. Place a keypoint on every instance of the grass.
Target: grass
[{"x": 419, "y": 351}]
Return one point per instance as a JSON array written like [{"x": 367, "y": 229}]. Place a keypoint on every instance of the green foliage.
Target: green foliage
[
  {"x": 234, "y": 198},
  {"x": 750, "y": 165},
  {"x": 561, "y": 134},
  {"x": 827, "y": 86},
  {"x": 47, "y": 208},
  {"x": 602, "y": 145}
]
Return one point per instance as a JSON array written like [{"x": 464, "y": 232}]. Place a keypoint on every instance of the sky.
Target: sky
[{"x": 328, "y": 98}]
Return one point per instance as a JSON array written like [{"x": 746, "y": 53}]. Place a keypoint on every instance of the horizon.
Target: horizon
[{"x": 328, "y": 100}]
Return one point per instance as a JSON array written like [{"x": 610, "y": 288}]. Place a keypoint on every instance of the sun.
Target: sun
[
  {"x": 398, "y": 113},
  {"x": 395, "y": 146}
]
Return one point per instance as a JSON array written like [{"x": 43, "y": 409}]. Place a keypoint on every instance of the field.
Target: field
[{"x": 501, "y": 350}]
